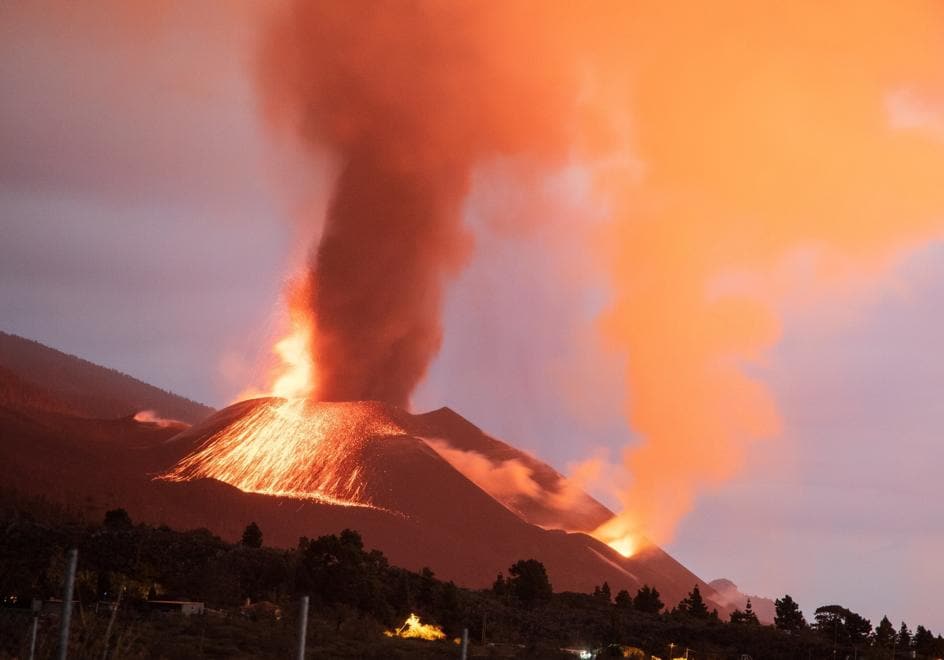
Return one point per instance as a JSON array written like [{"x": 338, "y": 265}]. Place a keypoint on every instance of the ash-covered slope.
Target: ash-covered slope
[
  {"x": 421, "y": 509},
  {"x": 416, "y": 504},
  {"x": 83, "y": 388}
]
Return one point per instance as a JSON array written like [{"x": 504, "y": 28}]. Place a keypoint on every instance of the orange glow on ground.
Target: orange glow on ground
[{"x": 412, "y": 628}]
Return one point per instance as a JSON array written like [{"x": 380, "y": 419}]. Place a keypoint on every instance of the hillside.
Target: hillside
[
  {"x": 60, "y": 382},
  {"x": 421, "y": 509}
]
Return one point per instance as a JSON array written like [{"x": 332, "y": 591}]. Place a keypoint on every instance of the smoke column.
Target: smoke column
[
  {"x": 407, "y": 97},
  {"x": 731, "y": 142}
]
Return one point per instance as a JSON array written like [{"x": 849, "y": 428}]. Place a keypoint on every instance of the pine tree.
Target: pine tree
[
  {"x": 500, "y": 586},
  {"x": 923, "y": 642},
  {"x": 693, "y": 605},
  {"x": 252, "y": 536},
  {"x": 749, "y": 614},
  {"x": 528, "y": 581},
  {"x": 788, "y": 615},
  {"x": 624, "y": 600},
  {"x": 647, "y": 600},
  {"x": 904, "y": 636},
  {"x": 884, "y": 633}
]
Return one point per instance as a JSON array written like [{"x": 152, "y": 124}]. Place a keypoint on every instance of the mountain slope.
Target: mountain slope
[
  {"x": 420, "y": 509},
  {"x": 85, "y": 388}
]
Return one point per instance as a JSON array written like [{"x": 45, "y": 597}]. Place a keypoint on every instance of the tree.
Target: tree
[
  {"x": 252, "y": 536},
  {"x": 337, "y": 569},
  {"x": 528, "y": 581},
  {"x": 788, "y": 616},
  {"x": 500, "y": 585},
  {"x": 904, "y": 636},
  {"x": 693, "y": 605},
  {"x": 747, "y": 616},
  {"x": 624, "y": 600},
  {"x": 841, "y": 625},
  {"x": 603, "y": 592},
  {"x": 118, "y": 519},
  {"x": 858, "y": 628},
  {"x": 924, "y": 642},
  {"x": 647, "y": 600},
  {"x": 885, "y": 633}
]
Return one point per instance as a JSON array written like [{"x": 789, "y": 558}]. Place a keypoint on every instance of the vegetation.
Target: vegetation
[{"x": 356, "y": 595}]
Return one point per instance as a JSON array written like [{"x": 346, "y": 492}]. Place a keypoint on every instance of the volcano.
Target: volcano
[{"x": 428, "y": 490}]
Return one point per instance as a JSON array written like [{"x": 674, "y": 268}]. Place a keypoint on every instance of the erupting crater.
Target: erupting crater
[{"x": 289, "y": 447}]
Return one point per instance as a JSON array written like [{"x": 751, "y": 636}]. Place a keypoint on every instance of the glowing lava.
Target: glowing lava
[
  {"x": 291, "y": 448},
  {"x": 617, "y": 534},
  {"x": 412, "y": 628},
  {"x": 294, "y": 375},
  {"x": 286, "y": 443}
]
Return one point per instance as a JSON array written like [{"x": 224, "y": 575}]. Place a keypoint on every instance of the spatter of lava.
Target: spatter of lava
[{"x": 291, "y": 448}]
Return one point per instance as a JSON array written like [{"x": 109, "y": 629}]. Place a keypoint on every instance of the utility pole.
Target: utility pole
[
  {"x": 67, "y": 605},
  {"x": 302, "y": 627},
  {"x": 111, "y": 622},
  {"x": 484, "y": 623},
  {"x": 37, "y": 606},
  {"x": 465, "y": 643}
]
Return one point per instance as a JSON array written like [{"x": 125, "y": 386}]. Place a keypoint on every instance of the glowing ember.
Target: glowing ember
[
  {"x": 412, "y": 628},
  {"x": 291, "y": 448}
]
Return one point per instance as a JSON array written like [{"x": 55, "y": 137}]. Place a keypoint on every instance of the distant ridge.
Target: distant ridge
[
  {"x": 729, "y": 594},
  {"x": 86, "y": 389}
]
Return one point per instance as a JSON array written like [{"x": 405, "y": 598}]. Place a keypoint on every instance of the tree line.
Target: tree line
[{"x": 356, "y": 594}]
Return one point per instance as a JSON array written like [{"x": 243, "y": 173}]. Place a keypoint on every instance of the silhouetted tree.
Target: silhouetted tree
[
  {"x": 693, "y": 605},
  {"x": 788, "y": 616},
  {"x": 647, "y": 600},
  {"x": 529, "y": 582},
  {"x": 603, "y": 592},
  {"x": 884, "y": 634},
  {"x": 904, "y": 636},
  {"x": 747, "y": 616},
  {"x": 500, "y": 585},
  {"x": 842, "y": 626},
  {"x": 252, "y": 536},
  {"x": 858, "y": 629},
  {"x": 337, "y": 569},
  {"x": 118, "y": 519},
  {"x": 923, "y": 642},
  {"x": 624, "y": 600}
]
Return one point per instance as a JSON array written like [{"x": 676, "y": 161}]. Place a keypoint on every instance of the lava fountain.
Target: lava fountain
[{"x": 286, "y": 443}]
